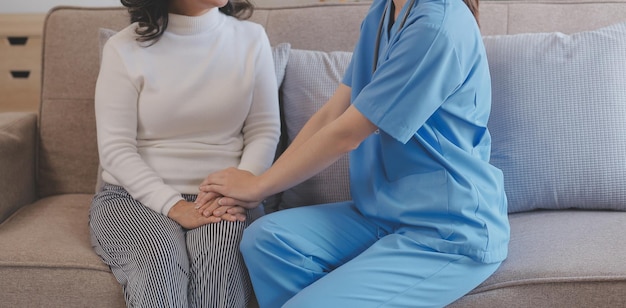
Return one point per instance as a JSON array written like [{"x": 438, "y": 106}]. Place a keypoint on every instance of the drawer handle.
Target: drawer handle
[
  {"x": 20, "y": 74},
  {"x": 17, "y": 40}
]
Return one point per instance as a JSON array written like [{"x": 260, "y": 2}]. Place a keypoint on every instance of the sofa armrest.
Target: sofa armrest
[{"x": 17, "y": 161}]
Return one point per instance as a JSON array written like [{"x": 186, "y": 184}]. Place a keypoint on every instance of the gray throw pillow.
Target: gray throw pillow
[
  {"x": 558, "y": 119},
  {"x": 311, "y": 77}
]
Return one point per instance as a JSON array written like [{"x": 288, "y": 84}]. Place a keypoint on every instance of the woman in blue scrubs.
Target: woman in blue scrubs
[{"x": 428, "y": 220}]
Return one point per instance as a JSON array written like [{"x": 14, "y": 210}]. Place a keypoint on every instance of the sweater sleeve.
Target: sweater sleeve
[
  {"x": 261, "y": 129},
  {"x": 116, "y": 121}
]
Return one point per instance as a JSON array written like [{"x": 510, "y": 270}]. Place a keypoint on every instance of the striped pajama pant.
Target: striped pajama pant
[{"x": 159, "y": 263}]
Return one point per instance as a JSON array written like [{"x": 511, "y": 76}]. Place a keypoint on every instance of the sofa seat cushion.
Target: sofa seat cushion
[
  {"x": 567, "y": 258},
  {"x": 46, "y": 258}
]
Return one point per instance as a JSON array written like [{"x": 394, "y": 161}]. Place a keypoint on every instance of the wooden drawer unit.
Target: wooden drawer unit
[{"x": 20, "y": 61}]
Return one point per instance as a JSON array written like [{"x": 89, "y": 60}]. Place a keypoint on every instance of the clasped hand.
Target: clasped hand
[
  {"x": 189, "y": 216},
  {"x": 223, "y": 195},
  {"x": 227, "y": 194}
]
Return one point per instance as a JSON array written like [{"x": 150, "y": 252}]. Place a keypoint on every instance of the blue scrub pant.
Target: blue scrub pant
[{"x": 331, "y": 256}]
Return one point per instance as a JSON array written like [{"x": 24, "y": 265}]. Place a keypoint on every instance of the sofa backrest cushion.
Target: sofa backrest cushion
[
  {"x": 533, "y": 16},
  {"x": 558, "y": 119},
  {"x": 67, "y": 153}
]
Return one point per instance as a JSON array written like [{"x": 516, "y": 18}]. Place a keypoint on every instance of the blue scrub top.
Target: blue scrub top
[{"x": 426, "y": 172}]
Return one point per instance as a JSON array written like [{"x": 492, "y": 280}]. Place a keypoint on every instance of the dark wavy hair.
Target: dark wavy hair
[{"x": 152, "y": 15}]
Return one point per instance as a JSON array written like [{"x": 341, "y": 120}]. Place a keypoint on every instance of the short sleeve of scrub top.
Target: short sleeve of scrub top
[{"x": 423, "y": 65}]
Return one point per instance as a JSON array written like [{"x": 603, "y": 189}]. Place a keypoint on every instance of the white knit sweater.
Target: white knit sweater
[{"x": 202, "y": 98}]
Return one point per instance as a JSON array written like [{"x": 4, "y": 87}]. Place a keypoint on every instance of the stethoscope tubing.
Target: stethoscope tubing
[{"x": 380, "y": 30}]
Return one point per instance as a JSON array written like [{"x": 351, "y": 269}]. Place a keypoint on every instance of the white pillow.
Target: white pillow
[{"x": 558, "y": 119}]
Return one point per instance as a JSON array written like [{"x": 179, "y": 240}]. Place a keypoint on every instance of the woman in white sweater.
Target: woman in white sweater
[{"x": 187, "y": 89}]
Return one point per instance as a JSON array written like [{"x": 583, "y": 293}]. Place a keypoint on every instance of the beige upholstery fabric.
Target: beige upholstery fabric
[
  {"x": 564, "y": 258},
  {"x": 325, "y": 28},
  {"x": 563, "y": 17},
  {"x": 567, "y": 16},
  {"x": 68, "y": 158},
  {"x": 17, "y": 149},
  {"x": 46, "y": 258}
]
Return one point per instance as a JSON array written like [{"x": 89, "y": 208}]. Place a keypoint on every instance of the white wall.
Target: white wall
[{"x": 42, "y": 6}]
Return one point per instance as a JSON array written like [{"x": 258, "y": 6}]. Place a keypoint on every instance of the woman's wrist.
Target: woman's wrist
[{"x": 260, "y": 188}]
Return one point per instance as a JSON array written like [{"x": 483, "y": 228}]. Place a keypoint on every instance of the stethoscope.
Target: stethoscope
[{"x": 380, "y": 30}]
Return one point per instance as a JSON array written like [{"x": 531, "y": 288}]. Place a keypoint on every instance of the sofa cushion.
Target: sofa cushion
[
  {"x": 280, "y": 53},
  {"x": 558, "y": 258},
  {"x": 45, "y": 246},
  {"x": 557, "y": 121},
  {"x": 311, "y": 78},
  {"x": 17, "y": 160}
]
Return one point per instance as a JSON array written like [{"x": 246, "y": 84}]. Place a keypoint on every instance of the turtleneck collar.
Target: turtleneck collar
[{"x": 189, "y": 25}]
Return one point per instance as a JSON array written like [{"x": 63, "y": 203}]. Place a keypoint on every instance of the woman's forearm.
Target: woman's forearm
[
  {"x": 331, "y": 110},
  {"x": 316, "y": 152}
]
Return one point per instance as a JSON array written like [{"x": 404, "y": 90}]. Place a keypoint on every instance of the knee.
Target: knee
[
  {"x": 256, "y": 237},
  {"x": 165, "y": 262},
  {"x": 160, "y": 254}
]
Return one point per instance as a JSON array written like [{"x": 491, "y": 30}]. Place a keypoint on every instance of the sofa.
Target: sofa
[{"x": 557, "y": 124}]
